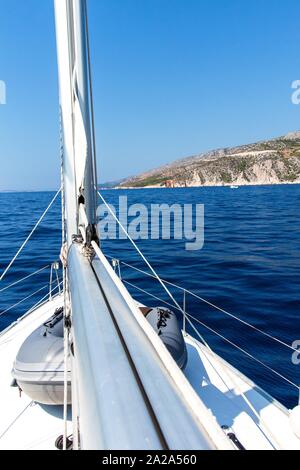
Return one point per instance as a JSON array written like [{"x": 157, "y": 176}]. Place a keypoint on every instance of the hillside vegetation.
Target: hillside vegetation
[{"x": 269, "y": 162}]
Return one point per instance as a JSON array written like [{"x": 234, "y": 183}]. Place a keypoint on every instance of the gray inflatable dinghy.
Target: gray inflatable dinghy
[
  {"x": 39, "y": 365},
  {"x": 166, "y": 325}
]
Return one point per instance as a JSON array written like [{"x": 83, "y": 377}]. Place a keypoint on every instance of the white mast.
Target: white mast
[{"x": 79, "y": 165}]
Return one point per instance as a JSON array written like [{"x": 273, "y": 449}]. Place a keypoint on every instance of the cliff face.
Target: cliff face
[{"x": 270, "y": 162}]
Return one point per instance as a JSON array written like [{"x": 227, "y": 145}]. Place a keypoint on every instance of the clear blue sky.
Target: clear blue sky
[{"x": 171, "y": 77}]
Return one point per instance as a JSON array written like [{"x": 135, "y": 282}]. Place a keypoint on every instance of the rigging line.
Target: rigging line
[
  {"x": 29, "y": 236},
  {"x": 176, "y": 303},
  {"x": 39, "y": 303},
  {"x": 171, "y": 296},
  {"x": 169, "y": 305},
  {"x": 233, "y": 379},
  {"x": 92, "y": 114},
  {"x": 141, "y": 254},
  {"x": 16, "y": 419},
  {"x": 24, "y": 278},
  {"x": 177, "y": 306},
  {"x": 192, "y": 325},
  {"x": 213, "y": 331},
  {"x": 180, "y": 309},
  {"x": 235, "y": 382},
  {"x": 42, "y": 300},
  {"x": 148, "y": 293},
  {"x": 248, "y": 402},
  {"x": 63, "y": 212},
  {"x": 208, "y": 347},
  {"x": 274, "y": 338},
  {"x": 244, "y": 351},
  {"x": 23, "y": 300}
]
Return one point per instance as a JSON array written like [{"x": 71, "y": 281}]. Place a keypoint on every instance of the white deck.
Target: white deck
[
  {"x": 258, "y": 421},
  {"x": 23, "y": 424}
]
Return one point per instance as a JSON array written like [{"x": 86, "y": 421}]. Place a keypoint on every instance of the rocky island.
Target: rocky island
[{"x": 275, "y": 161}]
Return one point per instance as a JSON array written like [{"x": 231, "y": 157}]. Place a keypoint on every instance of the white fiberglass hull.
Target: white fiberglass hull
[{"x": 257, "y": 420}]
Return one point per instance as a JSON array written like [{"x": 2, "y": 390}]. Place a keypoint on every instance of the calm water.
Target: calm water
[{"x": 249, "y": 265}]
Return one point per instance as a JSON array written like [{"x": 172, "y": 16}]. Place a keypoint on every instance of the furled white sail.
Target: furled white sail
[{"x": 79, "y": 169}]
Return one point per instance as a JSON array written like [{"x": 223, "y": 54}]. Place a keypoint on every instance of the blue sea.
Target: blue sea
[{"x": 249, "y": 266}]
